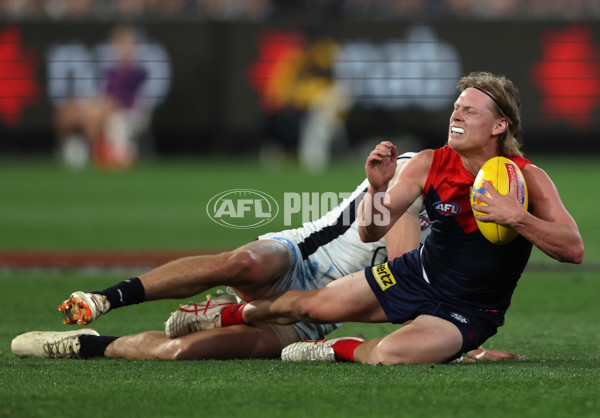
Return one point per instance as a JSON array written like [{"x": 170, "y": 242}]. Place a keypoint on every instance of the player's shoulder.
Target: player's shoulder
[
  {"x": 520, "y": 160},
  {"x": 406, "y": 156},
  {"x": 421, "y": 162},
  {"x": 417, "y": 165},
  {"x": 535, "y": 175},
  {"x": 423, "y": 159},
  {"x": 424, "y": 155}
]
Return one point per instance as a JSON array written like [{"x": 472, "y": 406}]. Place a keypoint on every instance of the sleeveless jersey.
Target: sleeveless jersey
[{"x": 459, "y": 263}]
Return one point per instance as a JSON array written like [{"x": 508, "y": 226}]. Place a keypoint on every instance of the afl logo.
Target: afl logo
[
  {"x": 242, "y": 208},
  {"x": 447, "y": 208}
]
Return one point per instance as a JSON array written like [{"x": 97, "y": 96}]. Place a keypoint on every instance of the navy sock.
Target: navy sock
[
  {"x": 127, "y": 292},
  {"x": 94, "y": 345}
]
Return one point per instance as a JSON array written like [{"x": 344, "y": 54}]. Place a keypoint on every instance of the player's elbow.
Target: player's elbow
[
  {"x": 576, "y": 250},
  {"x": 366, "y": 235},
  {"x": 362, "y": 233},
  {"x": 576, "y": 254},
  {"x": 572, "y": 254}
]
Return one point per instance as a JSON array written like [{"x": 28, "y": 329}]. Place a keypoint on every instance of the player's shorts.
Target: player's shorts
[
  {"x": 404, "y": 294},
  {"x": 306, "y": 274}
]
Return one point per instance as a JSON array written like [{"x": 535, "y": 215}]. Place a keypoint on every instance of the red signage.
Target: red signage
[
  {"x": 18, "y": 86},
  {"x": 568, "y": 76}
]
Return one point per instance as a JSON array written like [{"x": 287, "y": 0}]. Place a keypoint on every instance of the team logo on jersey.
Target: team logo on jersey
[
  {"x": 447, "y": 208},
  {"x": 383, "y": 276}
]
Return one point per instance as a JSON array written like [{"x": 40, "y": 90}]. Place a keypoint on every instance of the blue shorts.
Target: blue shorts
[{"x": 404, "y": 294}]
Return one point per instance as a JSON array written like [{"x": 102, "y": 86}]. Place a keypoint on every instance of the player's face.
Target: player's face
[{"x": 472, "y": 122}]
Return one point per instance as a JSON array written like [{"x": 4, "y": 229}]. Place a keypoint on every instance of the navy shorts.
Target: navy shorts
[{"x": 404, "y": 294}]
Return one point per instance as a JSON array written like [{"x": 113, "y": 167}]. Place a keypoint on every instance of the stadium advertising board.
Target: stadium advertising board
[{"x": 217, "y": 87}]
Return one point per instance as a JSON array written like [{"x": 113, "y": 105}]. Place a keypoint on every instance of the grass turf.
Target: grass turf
[
  {"x": 162, "y": 204},
  {"x": 159, "y": 205},
  {"x": 553, "y": 321}
]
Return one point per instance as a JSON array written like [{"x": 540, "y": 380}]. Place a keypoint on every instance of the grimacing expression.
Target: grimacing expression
[{"x": 472, "y": 122}]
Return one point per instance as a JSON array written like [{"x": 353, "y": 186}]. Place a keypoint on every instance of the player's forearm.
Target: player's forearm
[
  {"x": 559, "y": 241},
  {"x": 373, "y": 216}
]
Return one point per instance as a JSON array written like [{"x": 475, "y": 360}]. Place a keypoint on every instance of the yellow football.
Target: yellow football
[{"x": 499, "y": 172}]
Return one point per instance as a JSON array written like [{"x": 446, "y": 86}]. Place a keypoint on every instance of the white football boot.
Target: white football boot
[
  {"x": 193, "y": 317},
  {"x": 49, "y": 344},
  {"x": 82, "y": 308},
  {"x": 319, "y": 350}
]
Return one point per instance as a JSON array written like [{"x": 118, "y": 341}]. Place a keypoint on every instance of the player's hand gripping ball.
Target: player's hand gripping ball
[{"x": 499, "y": 172}]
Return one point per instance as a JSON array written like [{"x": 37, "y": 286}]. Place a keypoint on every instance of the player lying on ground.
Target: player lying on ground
[
  {"x": 453, "y": 293},
  {"x": 293, "y": 259}
]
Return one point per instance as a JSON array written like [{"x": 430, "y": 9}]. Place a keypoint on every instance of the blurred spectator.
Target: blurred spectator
[
  {"x": 22, "y": 9},
  {"x": 69, "y": 9},
  {"x": 560, "y": 9},
  {"x": 172, "y": 9},
  {"x": 250, "y": 10},
  {"x": 461, "y": 8},
  {"x": 129, "y": 9},
  {"x": 498, "y": 8},
  {"x": 313, "y": 10},
  {"x": 108, "y": 121},
  {"x": 305, "y": 106},
  {"x": 79, "y": 9},
  {"x": 383, "y": 9}
]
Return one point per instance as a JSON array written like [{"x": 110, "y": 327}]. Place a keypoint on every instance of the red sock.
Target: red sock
[
  {"x": 344, "y": 349},
  {"x": 232, "y": 315}
]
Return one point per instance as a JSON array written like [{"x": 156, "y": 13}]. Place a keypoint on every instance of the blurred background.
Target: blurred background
[
  {"x": 169, "y": 93},
  {"x": 263, "y": 77}
]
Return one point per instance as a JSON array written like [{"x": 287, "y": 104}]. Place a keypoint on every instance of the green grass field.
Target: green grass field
[{"x": 554, "y": 318}]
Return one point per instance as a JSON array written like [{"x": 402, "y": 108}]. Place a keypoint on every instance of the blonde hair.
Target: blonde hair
[{"x": 506, "y": 105}]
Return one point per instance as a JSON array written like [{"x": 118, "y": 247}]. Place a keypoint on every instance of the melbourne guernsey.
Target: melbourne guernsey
[{"x": 458, "y": 262}]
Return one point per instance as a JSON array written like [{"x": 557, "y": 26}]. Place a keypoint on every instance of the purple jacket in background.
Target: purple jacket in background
[{"x": 123, "y": 83}]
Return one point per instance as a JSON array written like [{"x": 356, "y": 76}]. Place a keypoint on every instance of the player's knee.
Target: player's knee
[
  {"x": 414, "y": 351},
  {"x": 308, "y": 308},
  {"x": 176, "y": 349},
  {"x": 244, "y": 264},
  {"x": 388, "y": 354},
  {"x": 299, "y": 310}
]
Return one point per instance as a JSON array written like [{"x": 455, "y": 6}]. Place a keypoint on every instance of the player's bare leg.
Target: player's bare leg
[
  {"x": 427, "y": 339},
  {"x": 240, "y": 341},
  {"x": 349, "y": 299},
  {"x": 251, "y": 270}
]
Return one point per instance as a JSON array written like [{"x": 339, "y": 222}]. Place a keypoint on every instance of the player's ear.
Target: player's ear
[{"x": 500, "y": 126}]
